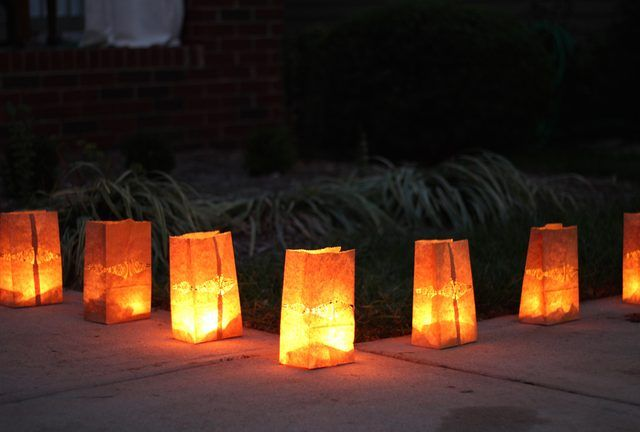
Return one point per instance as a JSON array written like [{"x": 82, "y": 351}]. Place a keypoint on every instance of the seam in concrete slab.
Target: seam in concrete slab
[
  {"x": 129, "y": 379},
  {"x": 502, "y": 378}
]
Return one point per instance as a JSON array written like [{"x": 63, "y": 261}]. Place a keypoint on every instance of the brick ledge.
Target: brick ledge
[{"x": 90, "y": 59}]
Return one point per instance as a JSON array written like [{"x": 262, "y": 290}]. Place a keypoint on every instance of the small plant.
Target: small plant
[
  {"x": 30, "y": 161},
  {"x": 455, "y": 195},
  {"x": 270, "y": 150},
  {"x": 148, "y": 151},
  {"x": 157, "y": 198}
]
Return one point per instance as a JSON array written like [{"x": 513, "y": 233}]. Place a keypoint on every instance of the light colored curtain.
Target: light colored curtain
[{"x": 133, "y": 23}]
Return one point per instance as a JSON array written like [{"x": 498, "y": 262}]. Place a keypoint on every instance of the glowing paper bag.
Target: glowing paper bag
[
  {"x": 117, "y": 271},
  {"x": 30, "y": 261},
  {"x": 550, "y": 293},
  {"x": 631, "y": 259},
  {"x": 444, "y": 311},
  {"x": 317, "y": 326},
  {"x": 205, "y": 301}
]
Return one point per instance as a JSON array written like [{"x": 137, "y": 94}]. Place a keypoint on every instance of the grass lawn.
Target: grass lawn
[
  {"x": 384, "y": 267},
  {"x": 379, "y": 213}
]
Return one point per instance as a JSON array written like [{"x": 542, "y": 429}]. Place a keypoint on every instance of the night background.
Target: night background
[{"x": 304, "y": 124}]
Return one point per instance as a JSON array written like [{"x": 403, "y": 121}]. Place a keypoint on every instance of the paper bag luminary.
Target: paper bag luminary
[
  {"x": 30, "y": 261},
  {"x": 631, "y": 259},
  {"x": 444, "y": 311},
  {"x": 317, "y": 326},
  {"x": 550, "y": 293},
  {"x": 117, "y": 271},
  {"x": 205, "y": 301}
]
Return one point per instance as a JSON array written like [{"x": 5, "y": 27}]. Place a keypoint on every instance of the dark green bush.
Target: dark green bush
[
  {"x": 420, "y": 80},
  {"x": 30, "y": 162},
  {"x": 617, "y": 75},
  {"x": 149, "y": 151},
  {"x": 270, "y": 150},
  {"x": 602, "y": 87}
]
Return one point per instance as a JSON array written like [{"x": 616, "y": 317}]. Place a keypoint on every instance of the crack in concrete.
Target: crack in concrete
[
  {"x": 95, "y": 385},
  {"x": 502, "y": 378}
]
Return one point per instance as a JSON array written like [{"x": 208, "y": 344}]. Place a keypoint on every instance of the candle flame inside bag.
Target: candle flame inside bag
[
  {"x": 30, "y": 260},
  {"x": 631, "y": 259},
  {"x": 205, "y": 300},
  {"x": 444, "y": 313},
  {"x": 550, "y": 293},
  {"x": 317, "y": 324},
  {"x": 117, "y": 271}
]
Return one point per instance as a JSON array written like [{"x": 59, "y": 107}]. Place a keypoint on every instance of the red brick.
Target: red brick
[
  {"x": 199, "y": 75},
  {"x": 271, "y": 100},
  {"x": 134, "y": 76},
  {"x": 276, "y": 29},
  {"x": 253, "y": 58},
  {"x": 119, "y": 108},
  {"x": 5, "y": 62},
  {"x": 204, "y": 32},
  {"x": 44, "y": 61},
  {"x": 40, "y": 98},
  {"x": 69, "y": 59},
  {"x": 97, "y": 79},
  {"x": 255, "y": 87},
  {"x": 118, "y": 58},
  {"x": 205, "y": 16},
  {"x": 189, "y": 90},
  {"x": 67, "y": 80},
  {"x": 222, "y": 88},
  {"x": 57, "y": 60},
  {"x": 270, "y": 14},
  {"x": 74, "y": 96},
  {"x": 236, "y": 14},
  {"x": 237, "y": 131},
  {"x": 107, "y": 58},
  {"x": 11, "y": 97},
  {"x": 251, "y": 29},
  {"x": 48, "y": 129},
  {"x": 102, "y": 140},
  {"x": 267, "y": 71},
  {"x": 268, "y": 43},
  {"x": 17, "y": 61},
  {"x": 31, "y": 61},
  {"x": 223, "y": 82},
  {"x": 236, "y": 44},
  {"x": 82, "y": 59},
  {"x": 254, "y": 2},
  {"x": 187, "y": 119},
  {"x": 153, "y": 120},
  {"x": 207, "y": 104},
  {"x": 153, "y": 92},
  {"x": 23, "y": 81},
  {"x": 235, "y": 72},
  {"x": 219, "y": 59},
  {"x": 146, "y": 59},
  {"x": 118, "y": 124},
  {"x": 58, "y": 112}
]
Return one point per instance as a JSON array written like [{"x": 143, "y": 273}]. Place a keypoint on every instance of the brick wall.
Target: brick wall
[{"x": 224, "y": 81}]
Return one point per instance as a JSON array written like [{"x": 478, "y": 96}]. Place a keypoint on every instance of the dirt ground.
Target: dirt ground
[{"x": 221, "y": 173}]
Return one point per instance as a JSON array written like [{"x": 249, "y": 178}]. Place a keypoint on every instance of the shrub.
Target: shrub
[
  {"x": 30, "y": 161},
  {"x": 617, "y": 74},
  {"x": 270, "y": 150},
  {"x": 380, "y": 214},
  {"x": 420, "y": 80},
  {"x": 149, "y": 151},
  {"x": 602, "y": 88}
]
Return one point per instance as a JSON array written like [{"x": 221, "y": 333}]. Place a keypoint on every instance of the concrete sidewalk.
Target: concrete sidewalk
[{"x": 58, "y": 372}]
